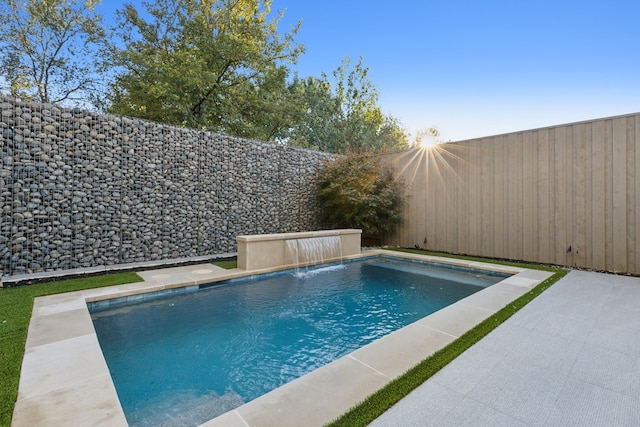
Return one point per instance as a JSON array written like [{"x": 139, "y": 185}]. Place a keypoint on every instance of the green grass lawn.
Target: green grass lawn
[
  {"x": 16, "y": 305},
  {"x": 227, "y": 264}
]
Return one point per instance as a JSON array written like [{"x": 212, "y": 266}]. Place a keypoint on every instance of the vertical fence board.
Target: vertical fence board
[
  {"x": 514, "y": 197},
  {"x": 474, "y": 199},
  {"x": 568, "y": 217},
  {"x": 630, "y": 194},
  {"x": 578, "y": 216},
  {"x": 559, "y": 196},
  {"x": 499, "y": 187},
  {"x": 608, "y": 193},
  {"x": 434, "y": 224},
  {"x": 451, "y": 190},
  {"x": 598, "y": 201},
  {"x": 450, "y": 208},
  {"x": 528, "y": 196},
  {"x": 619, "y": 202},
  {"x": 535, "y": 190},
  {"x": 462, "y": 168},
  {"x": 543, "y": 235},
  {"x": 423, "y": 207},
  {"x": 440, "y": 210},
  {"x": 486, "y": 215},
  {"x": 508, "y": 228},
  {"x": 588, "y": 191}
]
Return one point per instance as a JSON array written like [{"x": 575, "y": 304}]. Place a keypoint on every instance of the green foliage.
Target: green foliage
[
  {"x": 344, "y": 118},
  {"x": 357, "y": 191},
  {"x": 45, "y": 48},
  {"x": 219, "y": 65},
  {"x": 16, "y": 305},
  {"x": 212, "y": 64}
]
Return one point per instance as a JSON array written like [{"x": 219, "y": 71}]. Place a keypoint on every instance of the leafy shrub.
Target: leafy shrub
[{"x": 358, "y": 191}]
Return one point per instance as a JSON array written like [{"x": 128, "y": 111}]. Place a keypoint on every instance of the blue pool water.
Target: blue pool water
[{"x": 183, "y": 359}]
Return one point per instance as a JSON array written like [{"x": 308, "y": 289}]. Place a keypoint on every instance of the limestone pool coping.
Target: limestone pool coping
[{"x": 65, "y": 379}]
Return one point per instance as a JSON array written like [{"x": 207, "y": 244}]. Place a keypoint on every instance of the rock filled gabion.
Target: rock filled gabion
[{"x": 79, "y": 189}]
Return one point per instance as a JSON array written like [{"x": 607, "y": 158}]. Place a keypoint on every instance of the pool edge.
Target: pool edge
[{"x": 49, "y": 394}]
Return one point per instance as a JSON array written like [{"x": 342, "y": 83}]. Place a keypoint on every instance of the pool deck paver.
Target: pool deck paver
[
  {"x": 65, "y": 380},
  {"x": 571, "y": 357}
]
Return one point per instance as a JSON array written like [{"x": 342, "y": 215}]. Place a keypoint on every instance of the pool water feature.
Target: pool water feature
[
  {"x": 313, "y": 250},
  {"x": 196, "y": 355},
  {"x": 264, "y": 252}
]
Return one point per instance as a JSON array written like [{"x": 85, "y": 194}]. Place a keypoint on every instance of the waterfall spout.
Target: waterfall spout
[
  {"x": 314, "y": 250},
  {"x": 298, "y": 249}
]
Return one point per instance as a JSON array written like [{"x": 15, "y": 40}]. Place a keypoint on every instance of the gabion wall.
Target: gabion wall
[{"x": 79, "y": 189}]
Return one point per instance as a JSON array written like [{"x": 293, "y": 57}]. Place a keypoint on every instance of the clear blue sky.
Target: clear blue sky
[{"x": 476, "y": 68}]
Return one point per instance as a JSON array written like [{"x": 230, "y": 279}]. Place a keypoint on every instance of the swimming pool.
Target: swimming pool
[
  {"x": 189, "y": 354},
  {"x": 65, "y": 380}
]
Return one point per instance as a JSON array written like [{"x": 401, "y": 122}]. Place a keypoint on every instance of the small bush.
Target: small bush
[{"x": 358, "y": 191}]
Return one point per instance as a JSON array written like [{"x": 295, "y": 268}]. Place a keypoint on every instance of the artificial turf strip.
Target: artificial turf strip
[
  {"x": 227, "y": 265},
  {"x": 376, "y": 404},
  {"x": 16, "y": 305}
]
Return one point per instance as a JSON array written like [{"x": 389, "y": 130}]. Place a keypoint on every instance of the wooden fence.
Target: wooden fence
[{"x": 565, "y": 195}]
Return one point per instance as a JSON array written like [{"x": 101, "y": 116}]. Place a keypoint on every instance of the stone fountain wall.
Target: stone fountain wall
[
  {"x": 78, "y": 189},
  {"x": 273, "y": 251}
]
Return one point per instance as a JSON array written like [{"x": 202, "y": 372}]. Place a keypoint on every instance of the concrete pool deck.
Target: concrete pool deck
[
  {"x": 571, "y": 357},
  {"x": 65, "y": 379}
]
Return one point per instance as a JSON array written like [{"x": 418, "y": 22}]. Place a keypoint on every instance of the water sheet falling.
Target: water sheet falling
[{"x": 314, "y": 250}]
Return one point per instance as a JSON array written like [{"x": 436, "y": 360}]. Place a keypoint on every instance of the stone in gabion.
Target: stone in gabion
[{"x": 78, "y": 189}]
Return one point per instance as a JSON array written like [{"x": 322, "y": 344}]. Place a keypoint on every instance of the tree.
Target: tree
[
  {"x": 219, "y": 65},
  {"x": 45, "y": 48},
  {"x": 319, "y": 108},
  {"x": 358, "y": 191},
  {"x": 344, "y": 118}
]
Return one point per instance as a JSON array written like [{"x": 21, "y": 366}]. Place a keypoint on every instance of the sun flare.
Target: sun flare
[
  {"x": 427, "y": 138},
  {"x": 428, "y": 143},
  {"x": 432, "y": 158}
]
